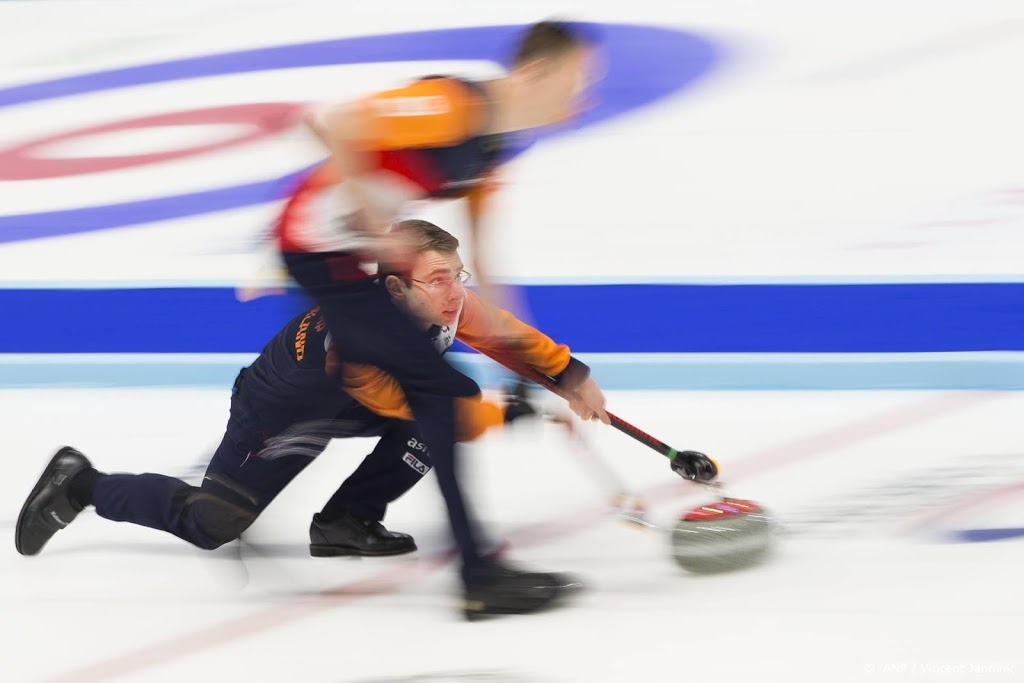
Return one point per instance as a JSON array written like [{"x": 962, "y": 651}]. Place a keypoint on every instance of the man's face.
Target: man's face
[
  {"x": 555, "y": 86},
  {"x": 432, "y": 292}
]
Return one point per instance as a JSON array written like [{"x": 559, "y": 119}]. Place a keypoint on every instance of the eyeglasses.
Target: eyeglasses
[{"x": 437, "y": 284}]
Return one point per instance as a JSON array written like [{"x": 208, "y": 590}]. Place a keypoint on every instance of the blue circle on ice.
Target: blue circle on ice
[{"x": 644, "y": 64}]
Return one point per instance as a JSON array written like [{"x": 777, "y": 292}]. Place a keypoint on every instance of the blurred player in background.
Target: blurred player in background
[
  {"x": 287, "y": 406},
  {"x": 439, "y": 137}
]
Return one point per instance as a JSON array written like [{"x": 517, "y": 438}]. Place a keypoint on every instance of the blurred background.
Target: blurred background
[
  {"x": 765, "y": 196},
  {"x": 788, "y": 235}
]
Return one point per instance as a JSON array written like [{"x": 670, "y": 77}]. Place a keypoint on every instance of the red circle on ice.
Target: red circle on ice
[{"x": 254, "y": 121}]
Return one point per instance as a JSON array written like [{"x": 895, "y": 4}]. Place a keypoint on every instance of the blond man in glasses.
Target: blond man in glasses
[
  {"x": 440, "y": 137},
  {"x": 297, "y": 396}
]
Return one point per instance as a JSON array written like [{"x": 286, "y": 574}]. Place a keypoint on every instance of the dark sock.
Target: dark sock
[{"x": 82, "y": 486}]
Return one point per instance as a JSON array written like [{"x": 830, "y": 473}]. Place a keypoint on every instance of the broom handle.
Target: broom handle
[{"x": 625, "y": 427}]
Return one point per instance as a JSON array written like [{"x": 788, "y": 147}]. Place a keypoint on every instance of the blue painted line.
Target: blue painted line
[
  {"x": 784, "y": 318},
  {"x": 648, "y": 373},
  {"x": 114, "y": 374},
  {"x": 911, "y": 318},
  {"x": 558, "y": 281},
  {"x": 186, "y": 320}
]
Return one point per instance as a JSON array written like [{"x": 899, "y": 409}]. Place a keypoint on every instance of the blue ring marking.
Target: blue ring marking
[
  {"x": 987, "y": 535},
  {"x": 645, "y": 64},
  {"x": 71, "y": 221}
]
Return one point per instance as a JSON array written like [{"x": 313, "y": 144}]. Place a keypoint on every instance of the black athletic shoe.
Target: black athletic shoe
[
  {"x": 49, "y": 508},
  {"x": 351, "y": 536},
  {"x": 495, "y": 589}
]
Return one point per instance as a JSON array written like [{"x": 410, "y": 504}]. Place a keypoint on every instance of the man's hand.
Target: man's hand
[
  {"x": 517, "y": 403},
  {"x": 587, "y": 401}
]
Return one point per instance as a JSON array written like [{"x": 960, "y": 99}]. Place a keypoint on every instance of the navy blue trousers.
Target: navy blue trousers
[
  {"x": 238, "y": 484},
  {"x": 367, "y": 327}
]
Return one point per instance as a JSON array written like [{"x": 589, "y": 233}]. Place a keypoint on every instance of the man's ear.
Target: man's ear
[
  {"x": 394, "y": 286},
  {"x": 532, "y": 70}
]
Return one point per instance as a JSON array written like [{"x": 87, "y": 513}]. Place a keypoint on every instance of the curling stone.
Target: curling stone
[{"x": 723, "y": 536}]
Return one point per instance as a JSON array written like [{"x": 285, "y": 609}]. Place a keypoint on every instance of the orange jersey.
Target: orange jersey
[
  {"x": 432, "y": 112},
  {"x": 380, "y": 392},
  {"x": 427, "y": 140},
  {"x": 431, "y": 132}
]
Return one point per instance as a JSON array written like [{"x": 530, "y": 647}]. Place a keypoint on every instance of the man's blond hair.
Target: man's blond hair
[{"x": 427, "y": 237}]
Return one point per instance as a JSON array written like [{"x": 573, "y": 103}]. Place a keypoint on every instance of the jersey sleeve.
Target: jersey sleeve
[
  {"x": 375, "y": 389},
  {"x": 433, "y": 112},
  {"x": 381, "y": 393},
  {"x": 530, "y": 346}
]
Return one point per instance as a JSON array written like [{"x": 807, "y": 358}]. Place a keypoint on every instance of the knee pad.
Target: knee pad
[{"x": 214, "y": 520}]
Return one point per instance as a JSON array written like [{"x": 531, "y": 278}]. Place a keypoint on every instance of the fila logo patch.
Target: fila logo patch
[{"x": 410, "y": 460}]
